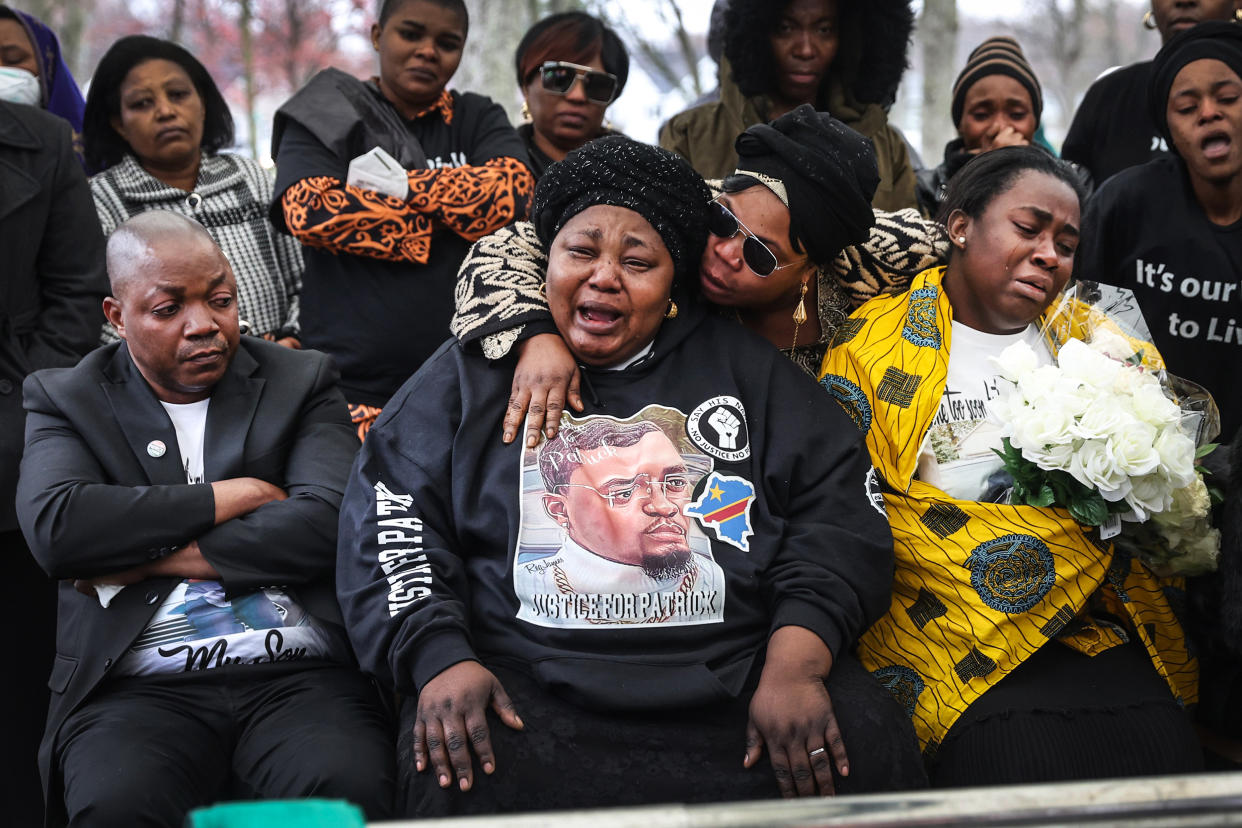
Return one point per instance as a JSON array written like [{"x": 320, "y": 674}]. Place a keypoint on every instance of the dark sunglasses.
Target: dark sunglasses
[
  {"x": 558, "y": 77},
  {"x": 761, "y": 261}
]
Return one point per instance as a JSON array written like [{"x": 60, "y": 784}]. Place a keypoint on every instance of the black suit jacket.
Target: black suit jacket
[
  {"x": 93, "y": 500},
  {"x": 52, "y": 280}
]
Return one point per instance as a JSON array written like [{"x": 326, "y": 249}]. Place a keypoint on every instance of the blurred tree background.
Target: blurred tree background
[{"x": 260, "y": 51}]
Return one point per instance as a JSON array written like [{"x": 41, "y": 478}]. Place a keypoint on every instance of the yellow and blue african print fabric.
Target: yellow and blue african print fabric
[{"x": 979, "y": 587}]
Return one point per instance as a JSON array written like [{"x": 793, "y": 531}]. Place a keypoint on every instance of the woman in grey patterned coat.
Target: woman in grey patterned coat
[{"x": 154, "y": 125}]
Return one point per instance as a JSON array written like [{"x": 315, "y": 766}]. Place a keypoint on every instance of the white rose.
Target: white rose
[
  {"x": 1177, "y": 456},
  {"x": 1075, "y": 399},
  {"x": 1152, "y": 406},
  {"x": 1037, "y": 428},
  {"x": 1149, "y": 495},
  {"x": 1189, "y": 503},
  {"x": 1104, "y": 417},
  {"x": 1015, "y": 361},
  {"x": 1093, "y": 466},
  {"x": 1133, "y": 448},
  {"x": 1051, "y": 457},
  {"x": 1111, "y": 344},
  {"x": 1078, "y": 361},
  {"x": 1039, "y": 384}
]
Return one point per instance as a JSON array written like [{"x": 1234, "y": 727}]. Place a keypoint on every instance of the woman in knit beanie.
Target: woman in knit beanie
[{"x": 997, "y": 102}]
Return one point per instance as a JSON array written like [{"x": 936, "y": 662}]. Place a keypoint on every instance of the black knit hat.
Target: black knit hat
[
  {"x": 657, "y": 184},
  {"x": 1213, "y": 39},
  {"x": 828, "y": 174},
  {"x": 996, "y": 56}
]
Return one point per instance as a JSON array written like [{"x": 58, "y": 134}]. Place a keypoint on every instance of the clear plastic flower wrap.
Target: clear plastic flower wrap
[{"x": 1106, "y": 432}]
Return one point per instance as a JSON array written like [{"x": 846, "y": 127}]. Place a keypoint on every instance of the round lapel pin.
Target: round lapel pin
[{"x": 156, "y": 448}]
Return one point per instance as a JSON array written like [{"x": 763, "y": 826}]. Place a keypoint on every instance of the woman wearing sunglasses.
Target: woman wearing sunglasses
[
  {"x": 794, "y": 247},
  {"x": 570, "y": 67}
]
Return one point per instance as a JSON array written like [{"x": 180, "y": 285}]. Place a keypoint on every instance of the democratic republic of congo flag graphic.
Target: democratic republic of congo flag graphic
[{"x": 724, "y": 507}]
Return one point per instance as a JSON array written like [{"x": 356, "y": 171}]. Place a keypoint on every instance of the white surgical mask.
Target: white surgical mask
[{"x": 19, "y": 86}]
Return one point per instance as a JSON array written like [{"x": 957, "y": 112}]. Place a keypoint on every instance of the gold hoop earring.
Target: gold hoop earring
[
  {"x": 671, "y": 313},
  {"x": 799, "y": 314},
  {"x": 1237, "y": 15},
  {"x": 1149, "y": 21},
  {"x": 526, "y": 112}
]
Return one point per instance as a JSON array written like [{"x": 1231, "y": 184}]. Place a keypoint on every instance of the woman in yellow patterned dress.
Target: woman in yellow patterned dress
[{"x": 1023, "y": 646}]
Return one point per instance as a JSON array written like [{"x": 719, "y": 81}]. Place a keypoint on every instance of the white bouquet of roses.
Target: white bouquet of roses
[{"x": 1099, "y": 433}]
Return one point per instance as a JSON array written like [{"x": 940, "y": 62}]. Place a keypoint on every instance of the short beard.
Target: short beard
[{"x": 665, "y": 566}]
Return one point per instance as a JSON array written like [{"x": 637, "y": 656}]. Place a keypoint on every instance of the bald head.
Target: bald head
[
  {"x": 136, "y": 247},
  {"x": 174, "y": 302}
]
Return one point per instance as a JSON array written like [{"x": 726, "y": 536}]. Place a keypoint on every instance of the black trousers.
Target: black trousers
[
  {"x": 568, "y": 757},
  {"x": 28, "y": 612},
  {"x": 1064, "y": 716},
  {"x": 143, "y": 751}
]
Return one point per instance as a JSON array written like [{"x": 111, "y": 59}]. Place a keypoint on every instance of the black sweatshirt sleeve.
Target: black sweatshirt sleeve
[{"x": 401, "y": 581}]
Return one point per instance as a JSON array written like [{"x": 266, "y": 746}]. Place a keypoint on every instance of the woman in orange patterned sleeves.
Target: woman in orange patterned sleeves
[{"x": 378, "y": 287}]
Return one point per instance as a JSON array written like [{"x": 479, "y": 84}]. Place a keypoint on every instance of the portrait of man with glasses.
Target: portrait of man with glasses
[{"x": 605, "y": 538}]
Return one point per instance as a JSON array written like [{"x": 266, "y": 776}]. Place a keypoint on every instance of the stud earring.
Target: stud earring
[{"x": 961, "y": 240}]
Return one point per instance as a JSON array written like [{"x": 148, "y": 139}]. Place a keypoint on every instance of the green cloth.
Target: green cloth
[{"x": 286, "y": 813}]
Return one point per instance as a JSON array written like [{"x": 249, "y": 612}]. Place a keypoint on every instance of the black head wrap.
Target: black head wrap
[
  {"x": 659, "y": 185},
  {"x": 829, "y": 174},
  {"x": 1214, "y": 39}
]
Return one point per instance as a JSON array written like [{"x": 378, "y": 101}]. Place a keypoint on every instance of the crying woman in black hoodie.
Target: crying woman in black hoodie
[{"x": 682, "y": 572}]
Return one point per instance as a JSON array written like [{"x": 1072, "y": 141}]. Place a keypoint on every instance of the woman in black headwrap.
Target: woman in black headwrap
[
  {"x": 677, "y": 574},
  {"x": 1171, "y": 229},
  {"x": 794, "y": 247}
]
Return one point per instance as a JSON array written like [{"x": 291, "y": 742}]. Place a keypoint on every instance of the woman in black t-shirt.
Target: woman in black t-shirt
[{"x": 381, "y": 259}]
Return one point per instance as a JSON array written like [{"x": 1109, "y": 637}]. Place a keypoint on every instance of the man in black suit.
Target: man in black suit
[
  {"x": 183, "y": 486},
  {"x": 51, "y": 284}
]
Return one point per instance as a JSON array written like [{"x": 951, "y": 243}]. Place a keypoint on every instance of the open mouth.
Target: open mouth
[
  {"x": 1216, "y": 145},
  {"x": 598, "y": 317}
]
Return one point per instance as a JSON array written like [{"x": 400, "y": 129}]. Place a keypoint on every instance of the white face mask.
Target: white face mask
[{"x": 19, "y": 86}]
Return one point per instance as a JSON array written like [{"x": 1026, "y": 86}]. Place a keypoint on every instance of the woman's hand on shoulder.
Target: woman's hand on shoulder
[
  {"x": 545, "y": 379},
  {"x": 452, "y": 720},
  {"x": 791, "y": 714}
]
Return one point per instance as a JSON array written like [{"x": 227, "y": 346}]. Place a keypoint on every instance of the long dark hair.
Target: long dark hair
[
  {"x": 874, "y": 39},
  {"x": 104, "y": 146}
]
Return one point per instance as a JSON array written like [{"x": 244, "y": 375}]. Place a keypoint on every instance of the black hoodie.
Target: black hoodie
[{"x": 438, "y": 564}]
